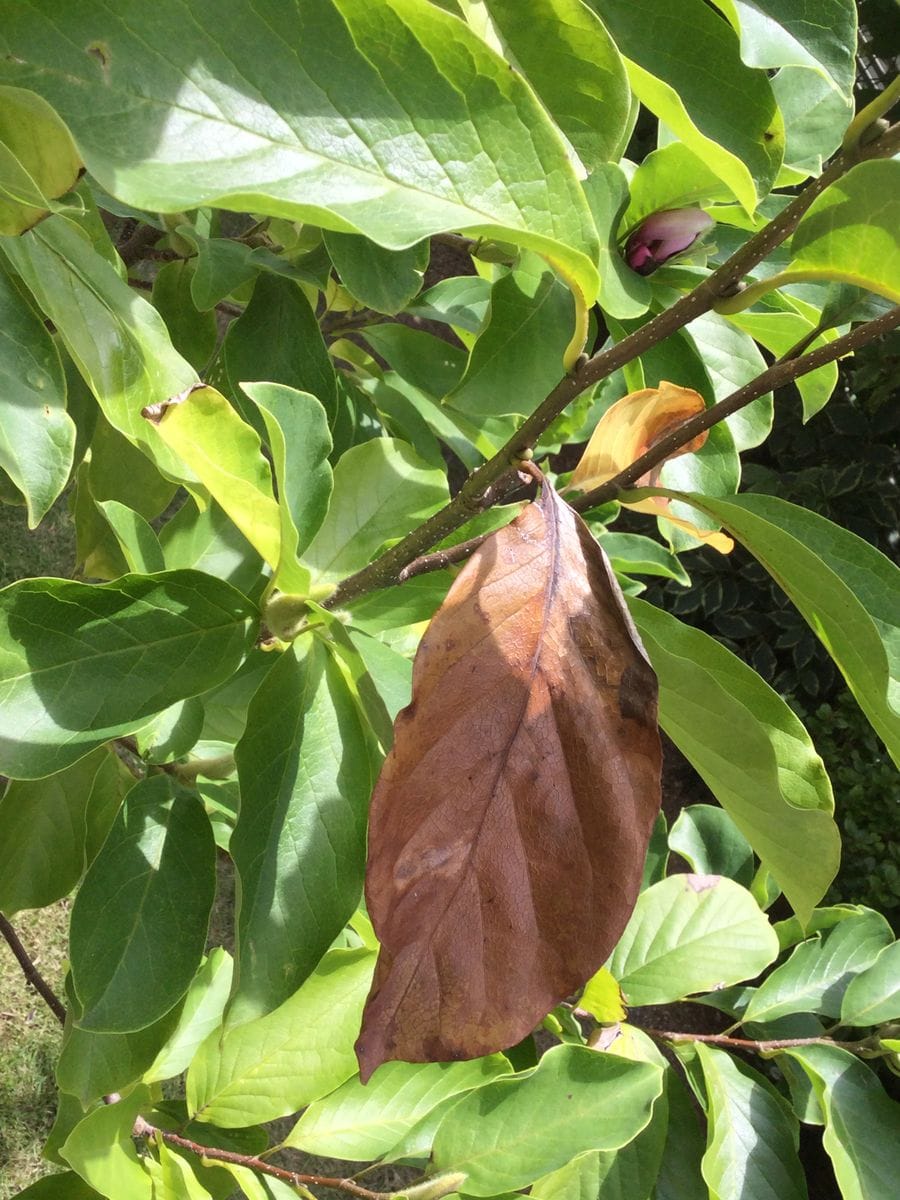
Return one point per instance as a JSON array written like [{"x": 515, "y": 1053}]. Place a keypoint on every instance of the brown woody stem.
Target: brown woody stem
[
  {"x": 30, "y": 971},
  {"x": 471, "y": 498},
  {"x": 756, "y": 1047},
  {"x": 144, "y": 1129},
  {"x": 779, "y": 374}
]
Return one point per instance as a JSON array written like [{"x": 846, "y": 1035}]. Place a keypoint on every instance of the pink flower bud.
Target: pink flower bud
[{"x": 662, "y": 236}]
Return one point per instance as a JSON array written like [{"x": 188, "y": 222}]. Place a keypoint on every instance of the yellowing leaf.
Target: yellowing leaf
[
  {"x": 627, "y": 430},
  {"x": 602, "y": 998}
]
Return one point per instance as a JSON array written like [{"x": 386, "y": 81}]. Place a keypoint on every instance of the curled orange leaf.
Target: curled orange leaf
[{"x": 627, "y": 430}]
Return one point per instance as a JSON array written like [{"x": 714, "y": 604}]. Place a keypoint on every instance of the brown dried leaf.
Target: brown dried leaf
[{"x": 510, "y": 822}]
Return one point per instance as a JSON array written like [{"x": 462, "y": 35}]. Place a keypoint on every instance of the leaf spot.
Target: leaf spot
[{"x": 702, "y": 883}]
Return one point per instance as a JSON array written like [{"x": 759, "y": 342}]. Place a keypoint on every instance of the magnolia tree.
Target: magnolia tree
[{"x": 350, "y": 557}]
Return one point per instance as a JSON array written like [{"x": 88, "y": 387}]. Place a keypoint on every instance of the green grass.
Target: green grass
[
  {"x": 30, "y": 1035},
  {"x": 30, "y": 1038}
]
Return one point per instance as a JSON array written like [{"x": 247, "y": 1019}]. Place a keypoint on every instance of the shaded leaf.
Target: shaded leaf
[
  {"x": 139, "y": 920},
  {"x": 37, "y": 435},
  {"x": 137, "y": 541},
  {"x": 360, "y": 158},
  {"x": 874, "y": 995},
  {"x": 283, "y": 1061},
  {"x": 815, "y": 977},
  {"x": 518, "y": 357},
  {"x": 82, "y": 663},
  {"x": 691, "y": 933},
  {"x": 623, "y": 293},
  {"x": 510, "y": 1132},
  {"x": 511, "y": 819},
  {"x": 752, "y": 1143},
  {"x": 862, "y": 1126},
  {"x": 50, "y": 829},
  {"x": 299, "y": 844},
  {"x": 194, "y": 334},
  {"x": 710, "y": 842},
  {"x": 383, "y": 280}
]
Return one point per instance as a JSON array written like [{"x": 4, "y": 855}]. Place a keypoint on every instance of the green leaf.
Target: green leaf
[
  {"x": 208, "y": 541},
  {"x": 299, "y": 441},
  {"x": 874, "y": 995},
  {"x": 383, "y": 280},
  {"x": 194, "y": 334},
  {"x": 770, "y": 780},
  {"x": 50, "y": 829},
  {"x": 277, "y": 339},
  {"x": 710, "y": 842},
  {"x": 139, "y": 544},
  {"x": 423, "y": 360},
  {"x": 815, "y": 977},
  {"x": 224, "y": 453},
  {"x": 861, "y": 1123},
  {"x": 199, "y": 1015},
  {"x": 815, "y": 118},
  {"x": 139, "y": 920},
  {"x": 38, "y": 160},
  {"x": 116, "y": 338},
  {"x": 281, "y": 1062},
  {"x": 671, "y": 177},
  {"x": 382, "y": 490},
  {"x": 679, "y": 1175},
  {"x": 37, "y": 435},
  {"x": 572, "y": 63},
  {"x": 623, "y": 293},
  {"x": 93, "y": 1065},
  {"x": 299, "y": 844},
  {"x": 222, "y": 266},
  {"x": 752, "y": 1143},
  {"x": 488, "y": 161},
  {"x": 171, "y": 733},
  {"x": 82, "y": 663},
  {"x": 691, "y": 933},
  {"x": 460, "y": 302},
  {"x": 66, "y": 1186},
  {"x": 731, "y": 359},
  {"x": 691, "y": 76},
  {"x": 101, "y": 1150},
  {"x": 779, "y": 332},
  {"x": 362, "y": 1123},
  {"x": 172, "y": 1178},
  {"x": 518, "y": 358},
  {"x": 847, "y": 591},
  {"x": 634, "y": 554},
  {"x": 819, "y": 35},
  {"x": 508, "y": 1133},
  {"x": 850, "y": 231}
]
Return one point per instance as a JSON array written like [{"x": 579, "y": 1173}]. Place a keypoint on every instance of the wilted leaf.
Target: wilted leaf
[
  {"x": 627, "y": 430},
  {"x": 511, "y": 819}
]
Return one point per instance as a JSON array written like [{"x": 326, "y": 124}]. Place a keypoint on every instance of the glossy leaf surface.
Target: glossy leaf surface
[
  {"x": 80, "y": 664},
  {"x": 361, "y": 159},
  {"x": 299, "y": 843},
  {"x": 510, "y": 822},
  {"x": 510, "y": 1132}
]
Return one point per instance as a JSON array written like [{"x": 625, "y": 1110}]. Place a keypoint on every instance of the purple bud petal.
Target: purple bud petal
[{"x": 662, "y": 236}]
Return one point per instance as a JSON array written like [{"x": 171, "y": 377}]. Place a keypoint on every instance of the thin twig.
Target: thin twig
[
  {"x": 763, "y": 1046},
  {"x": 724, "y": 281},
  {"x": 144, "y": 1129},
  {"x": 32, "y": 974},
  {"x": 780, "y": 373},
  {"x": 442, "y": 558}
]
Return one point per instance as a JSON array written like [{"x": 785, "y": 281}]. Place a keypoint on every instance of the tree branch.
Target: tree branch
[
  {"x": 32, "y": 974},
  {"x": 756, "y": 1047},
  {"x": 144, "y": 1129},
  {"x": 472, "y": 497},
  {"x": 779, "y": 374}
]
